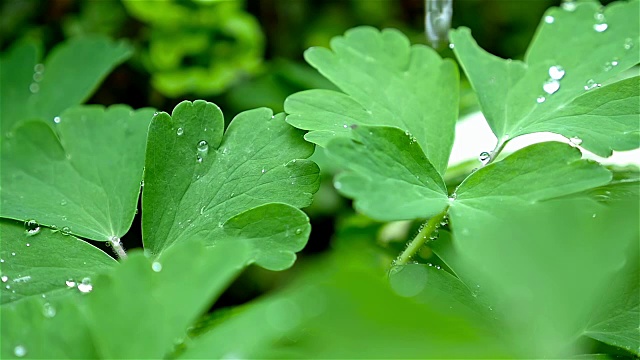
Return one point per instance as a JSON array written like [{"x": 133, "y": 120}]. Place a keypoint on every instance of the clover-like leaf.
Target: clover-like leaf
[
  {"x": 67, "y": 77},
  {"x": 556, "y": 87},
  {"x": 80, "y": 173},
  {"x": 386, "y": 82},
  {"x": 38, "y": 262},
  {"x": 162, "y": 298},
  {"x": 199, "y": 183},
  {"x": 388, "y": 174}
]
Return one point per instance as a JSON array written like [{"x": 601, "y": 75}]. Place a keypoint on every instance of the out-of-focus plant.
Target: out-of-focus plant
[{"x": 199, "y": 47}]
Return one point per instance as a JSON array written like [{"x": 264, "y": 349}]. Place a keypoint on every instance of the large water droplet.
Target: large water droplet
[
  {"x": 180, "y": 131},
  {"x": 551, "y": 86},
  {"x": 556, "y": 72},
  {"x": 203, "y": 146},
  {"x": 85, "y": 286},
  {"x": 549, "y": 19},
  {"x": 484, "y": 157},
  {"x": 31, "y": 227},
  {"x": 20, "y": 351},
  {"x": 4, "y": 278},
  {"x": 48, "y": 310},
  {"x": 591, "y": 84},
  {"x": 541, "y": 99},
  {"x": 156, "y": 266}
]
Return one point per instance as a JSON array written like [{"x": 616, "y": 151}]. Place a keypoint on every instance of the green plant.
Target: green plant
[{"x": 537, "y": 252}]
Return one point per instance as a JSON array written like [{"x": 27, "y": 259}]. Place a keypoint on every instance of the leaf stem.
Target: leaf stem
[
  {"x": 496, "y": 151},
  {"x": 117, "y": 247},
  {"x": 427, "y": 229}
]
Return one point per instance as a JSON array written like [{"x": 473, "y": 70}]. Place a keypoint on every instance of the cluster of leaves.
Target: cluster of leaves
[{"x": 538, "y": 248}]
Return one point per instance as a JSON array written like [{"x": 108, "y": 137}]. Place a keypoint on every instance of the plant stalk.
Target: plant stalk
[
  {"x": 414, "y": 246},
  {"x": 496, "y": 151},
  {"x": 117, "y": 247}
]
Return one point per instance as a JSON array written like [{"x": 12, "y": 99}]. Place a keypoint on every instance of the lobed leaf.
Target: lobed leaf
[
  {"x": 386, "y": 82},
  {"x": 202, "y": 184},
  {"x": 80, "y": 173},
  {"x": 555, "y": 88}
]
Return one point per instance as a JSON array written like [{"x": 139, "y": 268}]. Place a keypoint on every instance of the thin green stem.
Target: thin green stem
[
  {"x": 117, "y": 247},
  {"x": 496, "y": 151},
  {"x": 425, "y": 233}
]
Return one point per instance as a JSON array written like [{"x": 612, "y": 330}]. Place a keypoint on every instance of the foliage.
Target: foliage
[{"x": 535, "y": 254}]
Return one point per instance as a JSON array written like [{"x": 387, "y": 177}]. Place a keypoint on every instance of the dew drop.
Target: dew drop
[
  {"x": 337, "y": 185},
  {"x": 156, "y": 266},
  {"x": 85, "y": 286},
  {"x": 155, "y": 113},
  {"x": 451, "y": 46},
  {"x": 70, "y": 283},
  {"x": 541, "y": 99},
  {"x": 1, "y": 260},
  {"x": 4, "y": 278},
  {"x": 13, "y": 254},
  {"x": 37, "y": 77},
  {"x": 65, "y": 230},
  {"x": 264, "y": 171},
  {"x": 7, "y": 287},
  {"x": 569, "y": 5},
  {"x": 48, "y": 310},
  {"x": 298, "y": 231},
  {"x": 453, "y": 196},
  {"x": 575, "y": 140},
  {"x": 628, "y": 43},
  {"x": 31, "y": 227},
  {"x": 484, "y": 157},
  {"x": 203, "y": 146},
  {"x": 345, "y": 126},
  {"x": 198, "y": 158},
  {"x": 556, "y": 72},
  {"x": 600, "y": 27},
  {"x": 549, "y": 19},
  {"x": 63, "y": 202},
  {"x": 39, "y": 68},
  {"x": 57, "y": 119},
  {"x": 34, "y": 88},
  {"x": 20, "y": 351},
  {"x": 180, "y": 131},
  {"x": 28, "y": 244},
  {"x": 551, "y": 86},
  {"x": 591, "y": 84}
]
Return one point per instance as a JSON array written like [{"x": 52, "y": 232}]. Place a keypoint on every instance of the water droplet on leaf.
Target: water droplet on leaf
[
  {"x": 48, "y": 310},
  {"x": 31, "y": 227},
  {"x": 180, "y": 131},
  {"x": 591, "y": 84},
  {"x": 65, "y": 230},
  {"x": 628, "y": 43},
  {"x": 85, "y": 286},
  {"x": 569, "y": 5},
  {"x": 575, "y": 140},
  {"x": 600, "y": 27},
  {"x": 484, "y": 157},
  {"x": 298, "y": 231},
  {"x": 20, "y": 351},
  {"x": 34, "y": 88},
  {"x": 549, "y": 19},
  {"x": 4, "y": 278},
  {"x": 556, "y": 72},
  {"x": 39, "y": 68},
  {"x": 57, "y": 119},
  {"x": 203, "y": 146},
  {"x": 541, "y": 99},
  {"x": 551, "y": 86},
  {"x": 70, "y": 283}
]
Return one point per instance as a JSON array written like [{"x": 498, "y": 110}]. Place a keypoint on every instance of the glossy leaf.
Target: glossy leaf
[
  {"x": 39, "y": 262},
  {"x": 386, "y": 82},
  {"x": 80, "y": 173},
  {"x": 555, "y": 88},
  {"x": 199, "y": 182}
]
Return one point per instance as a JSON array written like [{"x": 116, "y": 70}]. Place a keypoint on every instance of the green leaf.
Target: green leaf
[
  {"x": 545, "y": 267},
  {"x": 197, "y": 180},
  {"x": 162, "y": 299},
  {"x": 537, "y": 172},
  {"x": 39, "y": 262},
  {"x": 512, "y": 96},
  {"x": 617, "y": 320},
  {"x": 388, "y": 174},
  {"x": 385, "y": 81},
  {"x": 67, "y": 77},
  {"x": 81, "y": 174}
]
